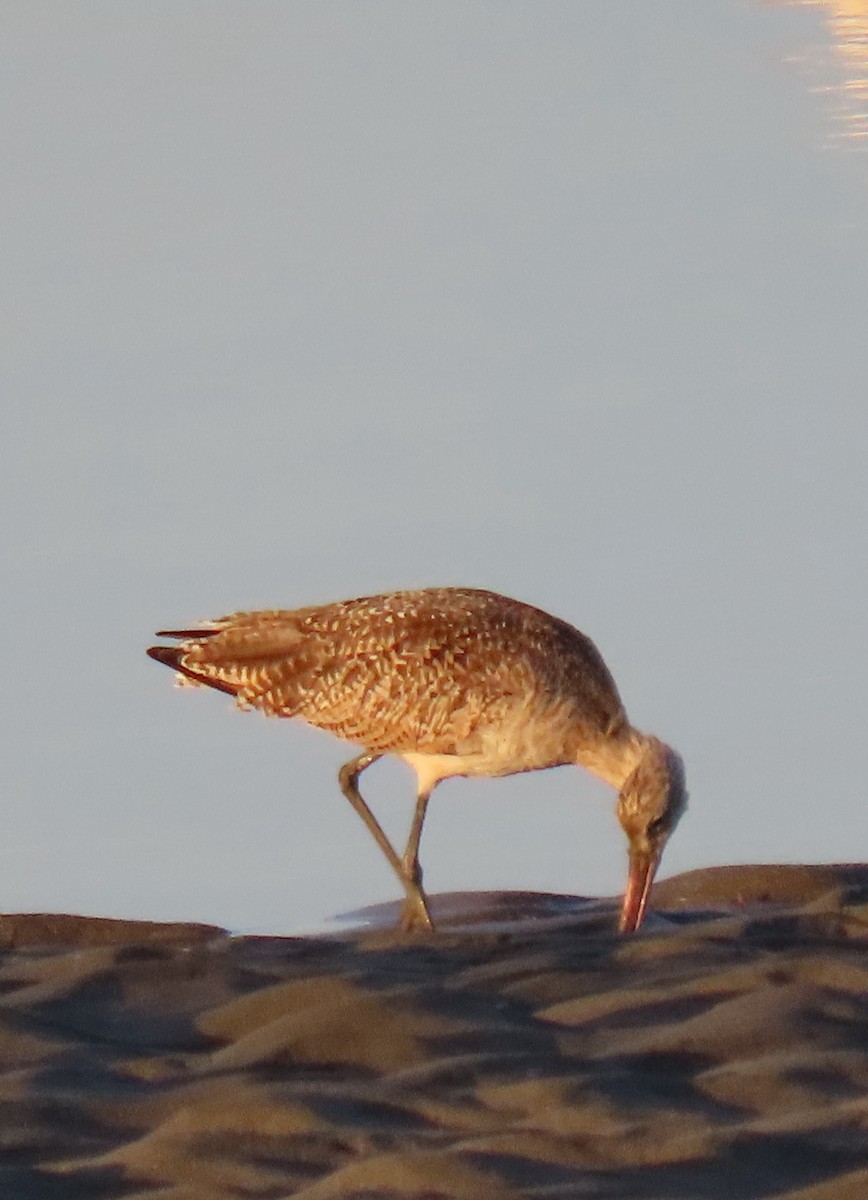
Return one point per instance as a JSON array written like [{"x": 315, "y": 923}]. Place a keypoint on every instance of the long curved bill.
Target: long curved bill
[{"x": 643, "y": 867}]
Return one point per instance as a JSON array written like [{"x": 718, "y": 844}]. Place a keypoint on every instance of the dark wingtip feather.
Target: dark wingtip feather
[
  {"x": 170, "y": 655},
  {"x": 186, "y": 634}
]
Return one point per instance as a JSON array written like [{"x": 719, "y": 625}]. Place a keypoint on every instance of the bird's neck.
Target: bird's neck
[{"x": 615, "y": 757}]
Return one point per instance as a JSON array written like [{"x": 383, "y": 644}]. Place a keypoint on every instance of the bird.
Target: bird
[{"x": 454, "y": 681}]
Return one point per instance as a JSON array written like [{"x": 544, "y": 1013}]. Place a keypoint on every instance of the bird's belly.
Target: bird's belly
[
  {"x": 507, "y": 748},
  {"x": 526, "y": 738}
]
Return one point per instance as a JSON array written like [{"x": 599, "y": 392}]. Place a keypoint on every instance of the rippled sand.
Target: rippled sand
[{"x": 524, "y": 1051}]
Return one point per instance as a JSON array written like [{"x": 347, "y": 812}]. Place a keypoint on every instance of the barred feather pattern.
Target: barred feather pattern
[{"x": 441, "y": 671}]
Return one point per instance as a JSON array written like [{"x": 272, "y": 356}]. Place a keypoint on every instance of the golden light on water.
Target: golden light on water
[{"x": 848, "y": 23}]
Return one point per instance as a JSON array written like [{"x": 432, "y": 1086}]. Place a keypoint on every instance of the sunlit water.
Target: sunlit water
[{"x": 840, "y": 69}]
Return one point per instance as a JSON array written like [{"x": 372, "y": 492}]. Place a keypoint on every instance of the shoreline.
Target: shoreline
[{"x": 529, "y": 1052}]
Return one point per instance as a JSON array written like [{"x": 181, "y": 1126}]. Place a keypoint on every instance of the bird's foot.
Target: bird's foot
[{"x": 415, "y": 915}]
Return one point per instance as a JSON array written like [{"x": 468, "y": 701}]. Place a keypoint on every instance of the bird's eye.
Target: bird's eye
[{"x": 657, "y": 826}]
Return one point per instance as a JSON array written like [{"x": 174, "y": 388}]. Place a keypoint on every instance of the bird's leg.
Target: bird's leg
[
  {"x": 415, "y": 912},
  {"x": 349, "y": 777}
]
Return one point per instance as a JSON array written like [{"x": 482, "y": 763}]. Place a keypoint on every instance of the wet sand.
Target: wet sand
[{"x": 523, "y": 1051}]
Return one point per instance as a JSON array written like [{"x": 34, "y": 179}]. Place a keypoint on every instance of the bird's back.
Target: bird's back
[{"x": 428, "y": 670}]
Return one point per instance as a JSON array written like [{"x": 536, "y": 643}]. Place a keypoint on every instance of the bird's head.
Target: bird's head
[{"x": 649, "y": 807}]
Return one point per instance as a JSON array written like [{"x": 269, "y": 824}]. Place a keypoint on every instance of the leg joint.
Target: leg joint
[{"x": 350, "y": 772}]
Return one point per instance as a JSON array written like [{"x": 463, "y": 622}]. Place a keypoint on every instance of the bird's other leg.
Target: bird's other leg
[
  {"x": 415, "y": 913},
  {"x": 415, "y": 897}
]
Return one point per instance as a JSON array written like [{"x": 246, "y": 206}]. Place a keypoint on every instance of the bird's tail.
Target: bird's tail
[{"x": 172, "y": 656}]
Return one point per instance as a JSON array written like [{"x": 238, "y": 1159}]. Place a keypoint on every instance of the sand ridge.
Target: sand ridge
[{"x": 530, "y": 1052}]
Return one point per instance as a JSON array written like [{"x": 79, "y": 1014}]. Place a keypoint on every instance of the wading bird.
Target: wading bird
[{"x": 454, "y": 681}]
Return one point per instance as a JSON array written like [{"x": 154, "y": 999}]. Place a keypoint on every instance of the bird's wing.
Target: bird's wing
[
  {"x": 378, "y": 676},
  {"x": 426, "y": 671},
  {"x": 433, "y": 670}
]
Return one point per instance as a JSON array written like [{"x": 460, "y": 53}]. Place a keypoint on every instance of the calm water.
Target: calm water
[
  {"x": 308, "y": 301},
  {"x": 846, "y": 55}
]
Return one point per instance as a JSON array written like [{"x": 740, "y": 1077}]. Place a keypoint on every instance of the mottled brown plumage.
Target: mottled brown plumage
[{"x": 455, "y": 681}]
